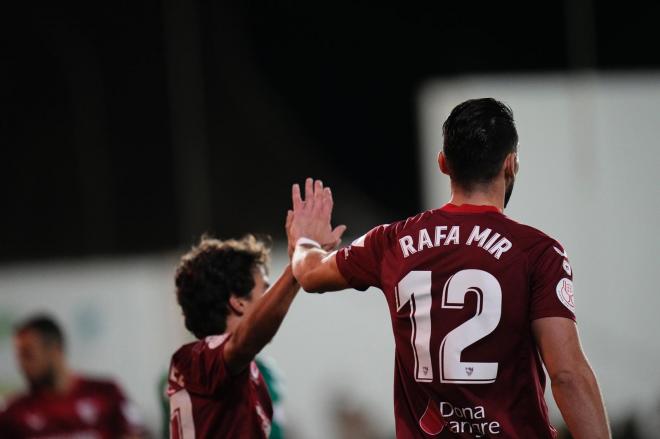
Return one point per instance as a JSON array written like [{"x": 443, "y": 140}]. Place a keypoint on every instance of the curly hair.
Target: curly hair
[{"x": 210, "y": 273}]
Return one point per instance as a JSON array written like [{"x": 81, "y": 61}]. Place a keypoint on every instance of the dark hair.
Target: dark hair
[
  {"x": 210, "y": 273},
  {"x": 479, "y": 134},
  {"x": 44, "y": 325}
]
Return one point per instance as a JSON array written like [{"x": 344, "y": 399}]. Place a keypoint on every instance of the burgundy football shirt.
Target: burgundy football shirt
[
  {"x": 207, "y": 401},
  {"x": 463, "y": 285},
  {"x": 91, "y": 410}
]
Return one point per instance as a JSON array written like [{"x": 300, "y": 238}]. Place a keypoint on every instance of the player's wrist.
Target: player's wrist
[{"x": 308, "y": 242}]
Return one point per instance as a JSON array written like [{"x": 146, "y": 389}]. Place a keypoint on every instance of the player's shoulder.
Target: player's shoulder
[
  {"x": 12, "y": 403},
  {"x": 398, "y": 226},
  {"x": 412, "y": 221},
  {"x": 386, "y": 235},
  {"x": 531, "y": 238},
  {"x": 97, "y": 385},
  {"x": 196, "y": 364},
  {"x": 198, "y": 347}
]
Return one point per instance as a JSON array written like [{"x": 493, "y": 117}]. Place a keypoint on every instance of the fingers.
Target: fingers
[
  {"x": 318, "y": 189},
  {"x": 289, "y": 220},
  {"x": 338, "y": 232},
  {"x": 295, "y": 197},
  {"x": 309, "y": 189},
  {"x": 316, "y": 197},
  {"x": 334, "y": 239},
  {"x": 327, "y": 203},
  {"x": 331, "y": 246}
]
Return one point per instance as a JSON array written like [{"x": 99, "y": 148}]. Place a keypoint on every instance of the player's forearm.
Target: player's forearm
[
  {"x": 259, "y": 326},
  {"x": 581, "y": 404},
  {"x": 305, "y": 263}
]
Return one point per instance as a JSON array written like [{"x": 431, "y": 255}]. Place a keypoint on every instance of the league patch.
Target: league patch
[{"x": 565, "y": 293}]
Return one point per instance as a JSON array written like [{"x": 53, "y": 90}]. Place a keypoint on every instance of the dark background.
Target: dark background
[{"x": 136, "y": 126}]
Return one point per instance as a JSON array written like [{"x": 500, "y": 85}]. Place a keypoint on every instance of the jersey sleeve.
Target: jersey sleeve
[
  {"x": 359, "y": 263},
  {"x": 552, "y": 285}
]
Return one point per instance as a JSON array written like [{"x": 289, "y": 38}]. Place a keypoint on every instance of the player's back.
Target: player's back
[
  {"x": 463, "y": 285},
  {"x": 207, "y": 400}
]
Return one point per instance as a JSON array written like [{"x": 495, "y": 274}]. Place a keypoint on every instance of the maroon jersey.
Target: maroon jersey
[
  {"x": 90, "y": 410},
  {"x": 206, "y": 400},
  {"x": 463, "y": 285}
]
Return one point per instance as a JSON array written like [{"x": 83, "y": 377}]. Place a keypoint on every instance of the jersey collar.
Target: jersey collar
[{"x": 469, "y": 208}]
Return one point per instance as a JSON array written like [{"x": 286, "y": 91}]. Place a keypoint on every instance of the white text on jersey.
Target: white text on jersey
[{"x": 493, "y": 243}]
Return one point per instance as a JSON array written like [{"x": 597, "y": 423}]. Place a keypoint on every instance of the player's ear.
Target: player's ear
[
  {"x": 237, "y": 304},
  {"x": 510, "y": 165},
  {"x": 442, "y": 163}
]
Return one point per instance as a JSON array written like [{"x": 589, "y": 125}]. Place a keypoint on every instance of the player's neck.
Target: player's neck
[
  {"x": 232, "y": 322},
  {"x": 490, "y": 195},
  {"x": 59, "y": 381},
  {"x": 63, "y": 380}
]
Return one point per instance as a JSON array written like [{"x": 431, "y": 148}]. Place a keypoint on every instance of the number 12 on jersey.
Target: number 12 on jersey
[{"x": 415, "y": 288}]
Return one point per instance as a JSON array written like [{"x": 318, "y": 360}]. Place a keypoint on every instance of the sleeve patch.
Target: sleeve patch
[{"x": 565, "y": 293}]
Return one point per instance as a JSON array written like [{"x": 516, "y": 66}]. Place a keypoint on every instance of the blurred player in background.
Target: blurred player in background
[
  {"x": 474, "y": 297},
  {"x": 60, "y": 403},
  {"x": 215, "y": 386}
]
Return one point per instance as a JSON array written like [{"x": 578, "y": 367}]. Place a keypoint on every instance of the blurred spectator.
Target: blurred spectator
[{"x": 58, "y": 402}]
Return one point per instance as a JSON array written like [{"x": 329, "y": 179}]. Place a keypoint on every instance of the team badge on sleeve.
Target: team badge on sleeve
[{"x": 565, "y": 293}]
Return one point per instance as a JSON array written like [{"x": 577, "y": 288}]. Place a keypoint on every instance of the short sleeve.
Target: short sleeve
[
  {"x": 552, "y": 285},
  {"x": 360, "y": 262}
]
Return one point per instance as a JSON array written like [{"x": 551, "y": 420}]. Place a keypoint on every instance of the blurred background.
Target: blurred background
[{"x": 128, "y": 129}]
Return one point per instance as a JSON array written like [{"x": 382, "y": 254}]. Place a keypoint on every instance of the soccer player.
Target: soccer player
[
  {"x": 60, "y": 403},
  {"x": 478, "y": 302},
  {"x": 215, "y": 387}
]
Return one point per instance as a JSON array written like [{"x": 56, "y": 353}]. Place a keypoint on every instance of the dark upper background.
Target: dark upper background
[{"x": 134, "y": 127}]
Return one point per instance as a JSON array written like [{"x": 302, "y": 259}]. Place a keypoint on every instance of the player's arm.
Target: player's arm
[
  {"x": 317, "y": 270},
  {"x": 259, "y": 325},
  {"x": 310, "y": 231},
  {"x": 574, "y": 384}
]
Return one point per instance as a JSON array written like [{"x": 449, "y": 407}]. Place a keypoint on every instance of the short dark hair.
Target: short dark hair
[
  {"x": 478, "y": 135},
  {"x": 210, "y": 273},
  {"x": 44, "y": 325}
]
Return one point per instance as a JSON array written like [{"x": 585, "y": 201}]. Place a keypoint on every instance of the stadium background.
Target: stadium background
[{"x": 130, "y": 129}]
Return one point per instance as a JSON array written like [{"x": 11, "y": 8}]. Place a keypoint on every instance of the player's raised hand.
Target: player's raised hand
[
  {"x": 287, "y": 227},
  {"x": 312, "y": 215}
]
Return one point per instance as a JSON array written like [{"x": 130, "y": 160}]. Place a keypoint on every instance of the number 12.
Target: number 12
[{"x": 415, "y": 287}]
